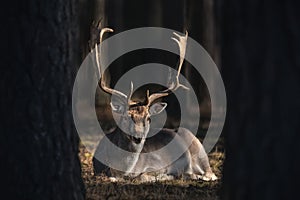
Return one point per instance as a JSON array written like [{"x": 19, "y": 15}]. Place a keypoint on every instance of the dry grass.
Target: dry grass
[{"x": 99, "y": 187}]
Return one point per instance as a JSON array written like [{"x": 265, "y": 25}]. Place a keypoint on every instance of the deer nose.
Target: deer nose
[{"x": 139, "y": 128}]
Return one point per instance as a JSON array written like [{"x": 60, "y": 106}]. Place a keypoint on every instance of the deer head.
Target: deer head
[{"x": 135, "y": 117}]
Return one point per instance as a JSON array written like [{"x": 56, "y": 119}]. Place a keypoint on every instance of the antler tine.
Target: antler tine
[
  {"x": 181, "y": 41},
  {"x": 182, "y": 48},
  {"x": 130, "y": 94},
  {"x": 173, "y": 84},
  {"x": 100, "y": 70}
]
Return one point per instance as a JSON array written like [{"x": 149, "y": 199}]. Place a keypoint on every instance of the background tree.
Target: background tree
[
  {"x": 39, "y": 146},
  {"x": 261, "y": 67}
]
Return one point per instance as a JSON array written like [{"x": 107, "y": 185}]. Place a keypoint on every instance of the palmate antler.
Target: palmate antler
[
  {"x": 105, "y": 88},
  {"x": 173, "y": 82}
]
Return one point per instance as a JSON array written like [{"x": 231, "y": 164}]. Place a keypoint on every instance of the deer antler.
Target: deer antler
[
  {"x": 173, "y": 84},
  {"x": 101, "y": 72}
]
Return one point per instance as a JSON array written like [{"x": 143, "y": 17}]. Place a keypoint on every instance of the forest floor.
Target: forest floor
[{"x": 99, "y": 187}]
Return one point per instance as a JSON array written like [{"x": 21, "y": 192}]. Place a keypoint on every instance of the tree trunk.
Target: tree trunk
[
  {"x": 261, "y": 46},
  {"x": 39, "y": 145}
]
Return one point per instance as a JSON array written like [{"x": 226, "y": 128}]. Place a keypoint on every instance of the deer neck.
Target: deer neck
[{"x": 124, "y": 142}]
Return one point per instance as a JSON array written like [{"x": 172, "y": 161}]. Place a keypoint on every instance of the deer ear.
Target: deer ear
[
  {"x": 157, "y": 108},
  {"x": 117, "y": 107}
]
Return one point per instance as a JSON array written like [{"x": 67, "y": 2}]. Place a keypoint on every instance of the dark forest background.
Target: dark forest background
[{"x": 256, "y": 45}]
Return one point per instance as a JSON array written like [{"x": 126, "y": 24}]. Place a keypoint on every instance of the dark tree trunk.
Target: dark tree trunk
[
  {"x": 261, "y": 67},
  {"x": 39, "y": 146},
  {"x": 91, "y": 12}
]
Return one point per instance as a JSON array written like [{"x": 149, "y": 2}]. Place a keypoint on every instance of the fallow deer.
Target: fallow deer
[{"x": 134, "y": 120}]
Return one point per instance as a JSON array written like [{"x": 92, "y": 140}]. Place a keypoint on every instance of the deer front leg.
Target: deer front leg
[
  {"x": 208, "y": 175},
  {"x": 200, "y": 162}
]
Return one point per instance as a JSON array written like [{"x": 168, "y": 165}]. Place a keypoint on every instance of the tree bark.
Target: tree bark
[
  {"x": 260, "y": 54},
  {"x": 39, "y": 145}
]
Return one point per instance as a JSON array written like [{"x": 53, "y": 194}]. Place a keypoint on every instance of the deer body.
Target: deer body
[
  {"x": 150, "y": 158},
  {"x": 192, "y": 164}
]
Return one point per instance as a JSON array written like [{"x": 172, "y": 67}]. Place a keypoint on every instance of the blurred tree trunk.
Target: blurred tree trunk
[
  {"x": 261, "y": 68},
  {"x": 91, "y": 12},
  {"x": 39, "y": 146}
]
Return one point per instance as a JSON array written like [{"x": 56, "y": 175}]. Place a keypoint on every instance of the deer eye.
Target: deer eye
[{"x": 117, "y": 108}]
